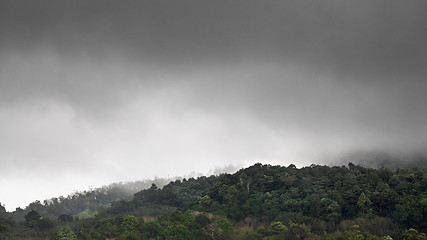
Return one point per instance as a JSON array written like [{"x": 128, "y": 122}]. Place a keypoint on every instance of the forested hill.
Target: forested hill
[
  {"x": 262, "y": 202},
  {"x": 276, "y": 193},
  {"x": 85, "y": 204}
]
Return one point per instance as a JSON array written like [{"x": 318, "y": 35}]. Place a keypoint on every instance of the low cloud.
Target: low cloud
[{"x": 96, "y": 91}]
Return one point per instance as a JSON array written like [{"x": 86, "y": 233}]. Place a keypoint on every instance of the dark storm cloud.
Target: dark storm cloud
[
  {"x": 55, "y": 44},
  {"x": 382, "y": 35},
  {"x": 75, "y": 49},
  {"x": 355, "y": 64}
]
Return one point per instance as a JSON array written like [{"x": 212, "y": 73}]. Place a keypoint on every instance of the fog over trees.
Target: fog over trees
[
  {"x": 107, "y": 93},
  {"x": 258, "y": 202}
]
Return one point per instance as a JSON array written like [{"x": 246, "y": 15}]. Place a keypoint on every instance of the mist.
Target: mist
[{"x": 95, "y": 92}]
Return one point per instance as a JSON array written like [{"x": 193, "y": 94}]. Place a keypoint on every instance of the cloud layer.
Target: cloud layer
[{"x": 98, "y": 91}]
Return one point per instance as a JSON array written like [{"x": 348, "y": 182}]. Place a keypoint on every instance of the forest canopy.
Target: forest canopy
[{"x": 258, "y": 202}]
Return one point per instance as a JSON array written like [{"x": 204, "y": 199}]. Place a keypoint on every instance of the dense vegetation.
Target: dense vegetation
[
  {"x": 87, "y": 203},
  {"x": 259, "y": 202}
]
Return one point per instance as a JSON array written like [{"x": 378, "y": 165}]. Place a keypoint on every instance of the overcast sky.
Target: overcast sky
[{"x": 93, "y": 92}]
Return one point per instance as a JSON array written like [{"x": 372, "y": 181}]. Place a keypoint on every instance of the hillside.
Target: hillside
[
  {"x": 258, "y": 202},
  {"x": 84, "y": 204}
]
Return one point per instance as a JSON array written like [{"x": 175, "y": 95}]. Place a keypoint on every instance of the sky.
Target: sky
[{"x": 101, "y": 91}]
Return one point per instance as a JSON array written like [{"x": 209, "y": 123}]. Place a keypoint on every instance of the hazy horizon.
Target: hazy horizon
[{"x": 95, "y": 92}]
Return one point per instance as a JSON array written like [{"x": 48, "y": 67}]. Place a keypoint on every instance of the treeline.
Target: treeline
[
  {"x": 259, "y": 202},
  {"x": 332, "y": 194},
  {"x": 84, "y": 204}
]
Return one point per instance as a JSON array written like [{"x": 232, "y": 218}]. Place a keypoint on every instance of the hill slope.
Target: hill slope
[{"x": 261, "y": 202}]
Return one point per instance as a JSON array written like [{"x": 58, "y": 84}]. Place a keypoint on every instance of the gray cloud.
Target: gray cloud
[{"x": 101, "y": 90}]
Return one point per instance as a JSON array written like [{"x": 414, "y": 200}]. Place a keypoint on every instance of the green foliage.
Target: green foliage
[
  {"x": 364, "y": 203},
  {"x": 130, "y": 223},
  {"x": 46, "y": 223},
  {"x": 354, "y": 234},
  {"x": 413, "y": 234},
  {"x": 65, "y": 218},
  {"x": 151, "y": 229},
  {"x": 177, "y": 232},
  {"x": 262, "y": 230},
  {"x": 87, "y": 213},
  {"x": 202, "y": 220},
  {"x": 276, "y": 228},
  {"x": 91, "y": 200},
  {"x": 3, "y": 212},
  {"x": 64, "y": 233},
  {"x": 180, "y": 194},
  {"x": 32, "y": 218},
  {"x": 225, "y": 229},
  {"x": 259, "y": 202}
]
